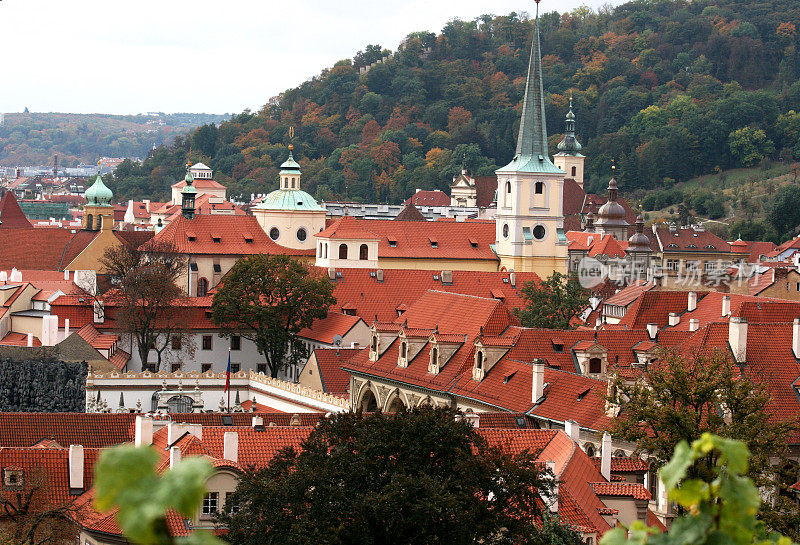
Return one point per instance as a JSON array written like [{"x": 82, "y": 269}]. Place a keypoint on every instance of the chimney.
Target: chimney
[
  {"x": 66, "y": 327},
  {"x": 796, "y": 338},
  {"x": 30, "y": 340},
  {"x": 726, "y": 305},
  {"x": 473, "y": 419},
  {"x": 652, "y": 331},
  {"x": 447, "y": 277},
  {"x": 605, "y": 457},
  {"x": 331, "y": 273},
  {"x": 737, "y": 338},
  {"x": 538, "y": 381},
  {"x": 379, "y": 275},
  {"x": 174, "y": 457},
  {"x": 143, "y": 434},
  {"x": 692, "y": 303},
  {"x": 573, "y": 429},
  {"x": 230, "y": 446},
  {"x": 512, "y": 278},
  {"x": 674, "y": 319},
  {"x": 694, "y": 324},
  {"x": 552, "y": 497},
  {"x": 76, "y": 467},
  {"x": 258, "y": 422},
  {"x": 66, "y": 274}
]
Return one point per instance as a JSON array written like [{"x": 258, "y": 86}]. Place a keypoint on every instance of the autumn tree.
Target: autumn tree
[
  {"x": 144, "y": 297},
  {"x": 268, "y": 299},
  {"x": 552, "y": 303},
  {"x": 418, "y": 477}
]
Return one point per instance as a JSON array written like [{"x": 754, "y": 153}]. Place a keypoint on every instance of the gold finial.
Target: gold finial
[
  {"x": 291, "y": 147},
  {"x": 613, "y": 167}
]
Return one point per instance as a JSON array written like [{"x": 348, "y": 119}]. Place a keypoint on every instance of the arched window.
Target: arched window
[
  {"x": 292, "y": 183},
  {"x": 404, "y": 350},
  {"x": 89, "y": 221},
  {"x": 363, "y": 252},
  {"x": 202, "y": 287},
  {"x": 319, "y": 250},
  {"x": 326, "y": 251},
  {"x": 591, "y": 451},
  {"x": 368, "y": 403},
  {"x": 375, "y": 343},
  {"x": 99, "y": 222},
  {"x": 539, "y": 188},
  {"x": 595, "y": 366},
  {"x": 180, "y": 404},
  {"x": 342, "y": 251},
  {"x": 574, "y": 171},
  {"x": 435, "y": 356},
  {"x": 507, "y": 201}
]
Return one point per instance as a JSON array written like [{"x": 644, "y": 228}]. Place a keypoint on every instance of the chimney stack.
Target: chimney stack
[
  {"x": 538, "y": 381},
  {"x": 737, "y": 338},
  {"x": 605, "y": 457},
  {"x": 66, "y": 327},
  {"x": 694, "y": 324},
  {"x": 30, "y": 340},
  {"x": 512, "y": 278},
  {"x": 143, "y": 431},
  {"x": 796, "y": 338},
  {"x": 174, "y": 456},
  {"x": 66, "y": 274},
  {"x": 726, "y": 305},
  {"x": 230, "y": 446},
  {"x": 692, "y": 303},
  {"x": 573, "y": 429},
  {"x": 76, "y": 467},
  {"x": 258, "y": 422},
  {"x": 652, "y": 331},
  {"x": 674, "y": 319}
]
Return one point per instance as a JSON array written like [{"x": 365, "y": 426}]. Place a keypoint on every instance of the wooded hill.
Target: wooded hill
[
  {"x": 669, "y": 89},
  {"x": 33, "y": 139}
]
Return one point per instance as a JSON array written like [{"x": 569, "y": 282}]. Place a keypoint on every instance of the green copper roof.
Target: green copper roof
[
  {"x": 532, "y": 153},
  {"x": 98, "y": 193},
  {"x": 569, "y": 145},
  {"x": 188, "y": 188},
  {"x": 289, "y": 199},
  {"x": 290, "y": 166}
]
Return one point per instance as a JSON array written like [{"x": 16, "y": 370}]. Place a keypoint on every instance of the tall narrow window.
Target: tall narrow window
[
  {"x": 479, "y": 364},
  {"x": 202, "y": 287},
  {"x": 539, "y": 188},
  {"x": 342, "y": 251},
  {"x": 363, "y": 252},
  {"x": 574, "y": 171}
]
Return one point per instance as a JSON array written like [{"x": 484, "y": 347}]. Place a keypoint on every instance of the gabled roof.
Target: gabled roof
[
  {"x": 92, "y": 430},
  {"x": 425, "y": 197},
  {"x": 200, "y": 183},
  {"x": 324, "y": 330},
  {"x": 11, "y": 215},
  {"x": 410, "y": 213},
  {"x": 685, "y": 239},
  {"x": 49, "y": 249},
  {"x": 348, "y": 228},
  {"x": 335, "y": 380}
]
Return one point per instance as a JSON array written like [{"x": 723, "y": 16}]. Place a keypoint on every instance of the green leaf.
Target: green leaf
[
  {"x": 690, "y": 493},
  {"x": 184, "y": 486},
  {"x": 675, "y": 470}
]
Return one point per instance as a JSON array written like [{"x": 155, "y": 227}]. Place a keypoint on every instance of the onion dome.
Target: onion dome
[
  {"x": 589, "y": 223},
  {"x": 569, "y": 144},
  {"x": 638, "y": 242},
  {"x": 189, "y": 187},
  {"x": 99, "y": 193},
  {"x": 611, "y": 210}
]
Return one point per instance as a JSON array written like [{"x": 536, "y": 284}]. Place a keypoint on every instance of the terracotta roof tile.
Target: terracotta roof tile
[
  {"x": 335, "y": 380},
  {"x": 92, "y": 430},
  {"x": 18, "y": 339},
  {"x": 324, "y": 330},
  {"x": 429, "y": 198},
  {"x": 634, "y": 490},
  {"x": 11, "y": 215}
]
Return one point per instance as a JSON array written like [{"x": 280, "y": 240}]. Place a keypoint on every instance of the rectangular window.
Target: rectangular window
[
  {"x": 176, "y": 367},
  {"x": 710, "y": 266},
  {"x": 208, "y": 343},
  {"x": 235, "y": 367},
  {"x": 176, "y": 342},
  {"x": 211, "y": 503},
  {"x": 149, "y": 366},
  {"x": 236, "y": 342},
  {"x": 672, "y": 264},
  {"x": 691, "y": 265},
  {"x": 205, "y": 367}
]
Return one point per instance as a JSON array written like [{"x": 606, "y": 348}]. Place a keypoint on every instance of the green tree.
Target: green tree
[
  {"x": 126, "y": 479},
  {"x": 552, "y": 303},
  {"x": 720, "y": 508},
  {"x": 749, "y": 145},
  {"x": 419, "y": 477},
  {"x": 784, "y": 210},
  {"x": 268, "y": 299}
]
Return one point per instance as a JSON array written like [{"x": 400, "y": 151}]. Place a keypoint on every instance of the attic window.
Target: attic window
[
  {"x": 691, "y": 246},
  {"x": 191, "y": 236},
  {"x": 216, "y": 238},
  {"x": 227, "y": 420},
  {"x": 710, "y": 247},
  {"x": 558, "y": 345},
  {"x": 672, "y": 245},
  {"x": 434, "y": 242},
  {"x": 248, "y": 238},
  {"x": 473, "y": 243},
  {"x": 584, "y": 394},
  {"x": 508, "y": 377},
  {"x": 393, "y": 243}
]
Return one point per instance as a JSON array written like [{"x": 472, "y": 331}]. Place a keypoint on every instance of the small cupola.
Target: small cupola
[
  {"x": 188, "y": 195},
  {"x": 290, "y": 172}
]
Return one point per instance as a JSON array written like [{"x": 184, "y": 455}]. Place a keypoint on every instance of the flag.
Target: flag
[{"x": 228, "y": 373}]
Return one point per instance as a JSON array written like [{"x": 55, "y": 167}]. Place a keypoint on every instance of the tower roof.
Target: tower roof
[
  {"x": 532, "y": 153},
  {"x": 290, "y": 166},
  {"x": 11, "y": 215},
  {"x": 99, "y": 193},
  {"x": 189, "y": 187},
  {"x": 569, "y": 144}
]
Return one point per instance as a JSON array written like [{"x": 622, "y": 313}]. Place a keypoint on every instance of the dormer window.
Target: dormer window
[
  {"x": 595, "y": 366},
  {"x": 691, "y": 246},
  {"x": 393, "y": 243},
  {"x": 373, "y": 347},
  {"x": 434, "y": 242},
  {"x": 478, "y": 370},
  {"x": 473, "y": 243}
]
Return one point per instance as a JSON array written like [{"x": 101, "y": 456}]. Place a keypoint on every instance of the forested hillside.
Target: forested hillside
[
  {"x": 667, "y": 88},
  {"x": 30, "y": 139}
]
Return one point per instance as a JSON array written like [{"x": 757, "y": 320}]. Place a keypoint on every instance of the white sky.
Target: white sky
[{"x": 127, "y": 57}]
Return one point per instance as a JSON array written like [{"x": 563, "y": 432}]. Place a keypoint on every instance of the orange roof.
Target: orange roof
[
  {"x": 200, "y": 183},
  {"x": 634, "y": 490},
  {"x": 326, "y": 329},
  {"x": 335, "y": 380},
  {"x": 195, "y": 236},
  {"x": 347, "y": 227},
  {"x": 11, "y": 215},
  {"x": 429, "y": 198},
  {"x": 18, "y": 339}
]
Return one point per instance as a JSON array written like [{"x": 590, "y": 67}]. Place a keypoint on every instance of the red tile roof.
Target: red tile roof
[
  {"x": 634, "y": 490},
  {"x": 93, "y": 430},
  {"x": 347, "y": 228},
  {"x": 200, "y": 183},
  {"x": 11, "y": 215},
  {"x": 429, "y": 198},
  {"x": 48, "y": 249},
  {"x": 18, "y": 339},
  {"x": 690, "y": 240},
  {"x": 99, "y": 341},
  {"x": 324, "y": 330},
  {"x": 335, "y": 380},
  {"x": 360, "y": 289},
  {"x": 195, "y": 236}
]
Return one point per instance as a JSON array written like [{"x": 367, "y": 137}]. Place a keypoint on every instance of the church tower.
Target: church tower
[
  {"x": 98, "y": 212},
  {"x": 569, "y": 159},
  {"x": 530, "y": 189}
]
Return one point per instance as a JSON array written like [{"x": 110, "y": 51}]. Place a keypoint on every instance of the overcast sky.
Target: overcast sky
[{"x": 113, "y": 56}]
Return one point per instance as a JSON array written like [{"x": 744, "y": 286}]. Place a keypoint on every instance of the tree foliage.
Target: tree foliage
[
  {"x": 552, "y": 303},
  {"x": 419, "y": 477},
  {"x": 144, "y": 296},
  {"x": 718, "y": 508},
  {"x": 268, "y": 299}
]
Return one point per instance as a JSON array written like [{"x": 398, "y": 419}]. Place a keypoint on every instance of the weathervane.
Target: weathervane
[{"x": 291, "y": 138}]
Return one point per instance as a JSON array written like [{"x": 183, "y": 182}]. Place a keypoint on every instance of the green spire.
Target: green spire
[{"x": 532, "y": 151}]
